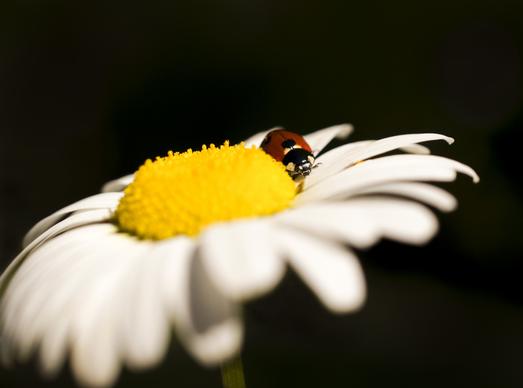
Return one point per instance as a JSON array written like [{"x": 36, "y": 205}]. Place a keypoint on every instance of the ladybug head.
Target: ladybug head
[{"x": 298, "y": 162}]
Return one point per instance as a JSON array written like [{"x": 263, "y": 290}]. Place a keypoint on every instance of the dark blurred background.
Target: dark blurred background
[{"x": 89, "y": 90}]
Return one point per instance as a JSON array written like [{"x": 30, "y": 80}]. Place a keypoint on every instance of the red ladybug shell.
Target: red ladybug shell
[{"x": 274, "y": 140}]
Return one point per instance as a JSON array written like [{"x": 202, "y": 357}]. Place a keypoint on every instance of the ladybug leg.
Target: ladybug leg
[{"x": 313, "y": 162}]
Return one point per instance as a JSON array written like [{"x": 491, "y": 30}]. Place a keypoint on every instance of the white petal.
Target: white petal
[
  {"x": 94, "y": 358},
  {"x": 241, "y": 258},
  {"x": 207, "y": 323},
  {"x": 98, "y": 317},
  {"x": 72, "y": 287},
  {"x": 336, "y": 220},
  {"x": 118, "y": 184},
  {"x": 74, "y": 221},
  {"x": 331, "y": 162},
  {"x": 319, "y": 139},
  {"x": 383, "y": 170},
  {"x": 99, "y": 201},
  {"x": 416, "y": 149},
  {"x": 342, "y": 157},
  {"x": 145, "y": 320},
  {"x": 362, "y": 222},
  {"x": 41, "y": 289},
  {"x": 53, "y": 348},
  {"x": 42, "y": 261},
  {"x": 87, "y": 296},
  {"x": 403, "y": 221},
  {"x": 255, "y": 140},
  {"x": 423, "y": 192},
  {"x": 396, "y": 219},
  {"x": 95, "y": 349},
  {"x": 392, "y": 143},
  {"x": 333, "y": 273}
]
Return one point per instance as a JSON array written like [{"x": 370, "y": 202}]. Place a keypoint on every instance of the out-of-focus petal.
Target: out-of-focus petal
[
  {"x": 416, "y": 149},
  {"x": 53, "y": 348},
  {"x": 98, "y": 201},
  {"x": 241, "y": 258},
  {"x": 26, "y": 294},
  {"x": 207, "y": 323},
  {"x": 97, "y": 316},
  {"x": 74, "y": 221},
  {"x": 332, "y": 272},
  {"x": 362, "y": 222},
  {"x": 423, "y": 192},
  {"x": 144, "y": 318},
  {"x": 335, "y": 221},
  {"x": 56, "y": 284},
  {"x": 118, "y": 184}
]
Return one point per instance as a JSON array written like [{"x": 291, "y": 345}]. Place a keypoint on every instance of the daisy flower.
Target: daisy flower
[{"x": 188, "y": 238}]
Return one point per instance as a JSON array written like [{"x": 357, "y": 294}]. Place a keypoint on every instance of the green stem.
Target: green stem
[{"x": 232, "y": 373}]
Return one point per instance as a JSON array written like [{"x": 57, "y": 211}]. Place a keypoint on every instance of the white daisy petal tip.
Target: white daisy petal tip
[
  {"x": 208, "y": 324},
  {"x": 448, "y": 139},
  {"x": 117, "y": 184},
  {"x": 331, "y": 272},
  {"x": 344, "y": 130},
  {"x": 436, "y": 136},
  {"x": 241, "y": 260},
  {"x": 218, "y": 344},
  {"x": 351, "y": 299},
  {"x": 467, "y": 170},
  {"x": 420, "y": 226},
  {"x": 475, "y": 176},
  {"x": 95, "y": 372}
]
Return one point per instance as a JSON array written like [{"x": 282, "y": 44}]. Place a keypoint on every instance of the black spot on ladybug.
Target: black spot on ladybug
[{"x": 288, "y": 143}]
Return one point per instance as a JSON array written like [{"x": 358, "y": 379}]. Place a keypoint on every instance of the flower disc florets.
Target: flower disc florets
[{"x": 182, "y": 193}]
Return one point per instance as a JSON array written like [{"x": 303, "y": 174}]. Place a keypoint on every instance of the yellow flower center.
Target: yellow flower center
[{"x": 182, "y": 193}]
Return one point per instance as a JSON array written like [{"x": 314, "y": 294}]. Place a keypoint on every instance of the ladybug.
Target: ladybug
[{"x": 292, "y": 150}]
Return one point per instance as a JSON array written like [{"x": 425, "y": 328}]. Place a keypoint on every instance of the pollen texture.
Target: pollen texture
[{"x": 182, "y": 193}]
